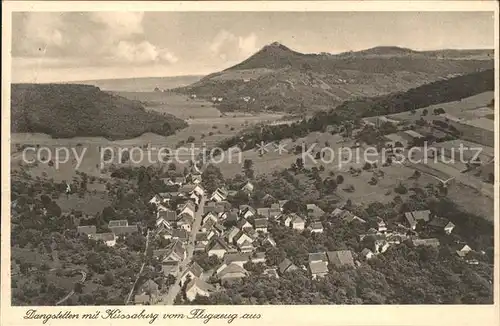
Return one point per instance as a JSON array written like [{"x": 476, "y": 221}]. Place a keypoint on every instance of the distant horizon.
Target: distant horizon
[
  {"x": 205, "y": 74},
  {"x": 82, "y": 46}
]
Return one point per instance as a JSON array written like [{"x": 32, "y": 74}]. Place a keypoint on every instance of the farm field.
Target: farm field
[
  {"x": 205, "y": 130},
  {"x": 468, "y": 108},
  {"x": 179, "y": 105}
]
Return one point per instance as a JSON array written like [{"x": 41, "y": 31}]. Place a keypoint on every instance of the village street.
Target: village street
[{"x": 169, "y": 298}]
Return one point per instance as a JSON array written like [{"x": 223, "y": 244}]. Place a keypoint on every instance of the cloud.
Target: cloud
[
  {"x": 143, "y": 52},
  {"x": 42, "y": 31},
  {"x": 120, "y": 23},
  {"x": 230, "y": 47},
  {"x": 103, "y": 38}
]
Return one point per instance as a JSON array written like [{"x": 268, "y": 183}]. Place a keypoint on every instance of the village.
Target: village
[{"x": 193, "y": 222}]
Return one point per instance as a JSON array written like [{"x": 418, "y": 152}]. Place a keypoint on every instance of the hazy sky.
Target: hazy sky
[{"x": 99, "y": 45}]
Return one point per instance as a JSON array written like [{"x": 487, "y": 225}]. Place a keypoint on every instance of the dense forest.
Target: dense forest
[
  {"x": 401, "y": 276},
  {"x": 453, "y": 89},
  {"x": 71, "y": 110}
]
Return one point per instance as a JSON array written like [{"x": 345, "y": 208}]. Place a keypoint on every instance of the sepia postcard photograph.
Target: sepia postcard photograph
[{"x": 210, "y": 159}]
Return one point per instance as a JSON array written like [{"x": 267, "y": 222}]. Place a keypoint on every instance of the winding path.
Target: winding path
[
  {"x": 70, "y": 294},
  {"x": 140, "y": 271}
]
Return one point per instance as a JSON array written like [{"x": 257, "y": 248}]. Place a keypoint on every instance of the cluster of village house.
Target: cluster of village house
[{"x": 238, "y": 244}]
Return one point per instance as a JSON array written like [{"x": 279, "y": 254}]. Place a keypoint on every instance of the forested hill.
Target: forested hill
[
  {"x": 280, "y": 79},
  {"x": 442, "y": 91},
  {"x": 71, "y": 110}
]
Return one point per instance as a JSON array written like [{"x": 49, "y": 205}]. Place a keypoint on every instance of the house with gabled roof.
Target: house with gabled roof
[
  {"x": 286, "y": 266},
  {"x": 161, "y": 207},
  {"x": 238, "y": 258},
  {"x": 340, "y": 258},
  {"x": 121, "y": 227},
  {"x": 210, "y": 207},
  {"x": 185, "y": 222},
  {"x": 381, "y": 226},
  {"x": 432, "y": 242},
  {"x": 243, "y": 224},
  {"x": 252, "y": 233},
  {"x": 297, "y": 223},
  {"x": 258, "y": 257},
  {"x": 188, "y": 208},
  {"x": 314, "y": 211},
  {"x": 187, "y": 189},
  {"x": 464, "y": 251},
  {"x": 317, "y": 256},
  {"x": 350, "y": 217},
  {"x": 174, "y": 252},
  {"x": 232, "y": 272},
  {"x": 241, "y": 237},
  {"x": 156, "y": 200},
  {"x": 260, "y": 225},
  {"x": 338, "y": 212},
  {"x": 199, "y": 190},
  {"x": 318, "y": 269},
  {"x": 165, "y": 232},
  {"x": 200, "y": 247},
  {"x": 248, "y": 187},
  {"x": 268, "y": 199},
  {"x": 108, "y": 238},
  {"x": 219, "y": 228},
  {"x": 247, "y": 211},
  {"x": 88, "y": 230},
  {"x": 316, "y": 227},
  {"x": 218, "y": 247},
  {"x": 415, "y": 216},
  {"x": 194, "y": 178},
  {"x": 180, "y": 180},
  {"x": 263, "y": 211},
  {"x": 162, "y": 224},
  {"x": 395, "y": 238},
  {"x": 192, "y": 271},
  {"x": 180, "y": 234},
  {"x": 276, "y": 206},
  {"x": 202, "y": 238},
  {"x": 287, "y": 219},
  {"x": 198, "y": 288},
  {"x": 195, "y": 198},
  {"x": 147, "y": 293},
  {"x": 282, "y": 203},
  {"x": 380, "y": 245},
  {"x": 269, "y": 240},
  {"x": 170, "y": 268},
  {"x": 114, "y": 223},
  {"x": 169, "y": 217},
  {"x": 367, "y": 254},
  {"x": 220, "y": 194},
  {"x": 168, "y": 181},
  {"x": 207, "y": 226},
  {"x": 246, "y": 246},
  {"x": 142, "y": 299},
  {"x": 231, "y": 234},
  {"x": 230, "y": 215},
  {"x": 269, "y": 212},
  {"x": 271, "y": 272},
  {"x": 210, "y": 216},
  {"x": 441, "y": 224}
]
